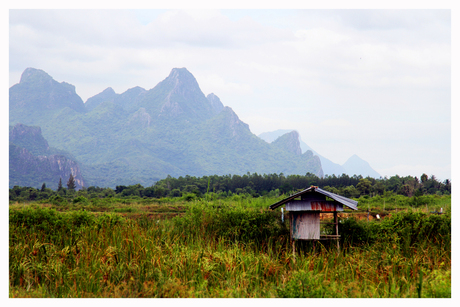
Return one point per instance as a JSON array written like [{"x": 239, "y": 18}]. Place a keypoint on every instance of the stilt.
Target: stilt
[
  {"x": 293, "y": 249},
  {"x": 336, "y": 222}
]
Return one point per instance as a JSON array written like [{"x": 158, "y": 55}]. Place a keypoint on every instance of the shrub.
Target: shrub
[
  {"x": 353, "y": 231},
  {"x": 57, "y": 200},
  {"x": 80, "y": 199},
  {"x": 417, "y": 227},
  {"x": 404, "y": 228},
  {"x": 54, "y": 225},
  {"x": 231, "y": 222},
  {"x": 189, "y": 196}
]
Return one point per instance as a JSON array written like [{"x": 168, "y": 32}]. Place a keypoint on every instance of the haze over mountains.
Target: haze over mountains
[
  {"x": 353, "y": 166},
  {"x": 32, "y": 160},
  {"x": 141, "y": 136}
]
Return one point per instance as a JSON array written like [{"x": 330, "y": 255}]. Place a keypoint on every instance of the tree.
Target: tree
[
  {"x": 286, "y": 187},
  {"x": 119, "y": 188},
  {"x": 43, "y": 187},
  {"x": 71, "y": 182},
  {"x": 379, "y": 188},
  {"x": 447, "y": 186},
  {"x": 160, "y": 191},
  {"x": 60, "y": 184},
  {"x": 350, "y": 191},
  {"x": 406, "y": 190},
  {"x": 424, "y": 177},
  {"x": 364, "y": 186}
]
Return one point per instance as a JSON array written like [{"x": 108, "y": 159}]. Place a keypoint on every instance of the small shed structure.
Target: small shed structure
[{"x": 304, "y": 216}]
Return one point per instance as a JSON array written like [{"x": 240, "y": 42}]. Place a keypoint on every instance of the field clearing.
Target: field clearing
[{"x": 222, "y": 248}]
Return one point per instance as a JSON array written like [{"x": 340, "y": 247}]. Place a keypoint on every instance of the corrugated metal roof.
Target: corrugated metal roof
[{"x": 352, "y": 204}]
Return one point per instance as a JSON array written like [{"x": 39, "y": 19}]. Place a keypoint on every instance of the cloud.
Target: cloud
[
  {"x": 263, "y": 123},
  {"x": 370, "y": 82},
  {"x": 221, "y": 86},
  {"x": 104, "y": 42},
  {"x": 441, "y": 172}
]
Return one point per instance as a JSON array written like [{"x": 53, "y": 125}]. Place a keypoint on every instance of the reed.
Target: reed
[{"x": 222, "y": 249}]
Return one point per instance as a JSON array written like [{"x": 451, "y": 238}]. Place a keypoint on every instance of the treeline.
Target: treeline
[
  {"x": 260, "y": 185},
  {"x": 254, "y": 185}
]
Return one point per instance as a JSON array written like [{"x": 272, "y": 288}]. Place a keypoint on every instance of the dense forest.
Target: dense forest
[{"x": 250, "y": 185}]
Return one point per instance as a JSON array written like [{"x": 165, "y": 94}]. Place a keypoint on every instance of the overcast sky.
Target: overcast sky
[{"x": 375, "y": 83}]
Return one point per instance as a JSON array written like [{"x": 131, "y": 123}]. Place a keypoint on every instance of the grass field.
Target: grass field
[{"x": 226, "y": 248}]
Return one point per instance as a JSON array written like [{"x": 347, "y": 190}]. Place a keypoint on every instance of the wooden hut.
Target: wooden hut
[{"x": 304, "y": 213}]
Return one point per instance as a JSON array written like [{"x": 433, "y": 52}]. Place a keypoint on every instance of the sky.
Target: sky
[{"x": 375, "y": 83}]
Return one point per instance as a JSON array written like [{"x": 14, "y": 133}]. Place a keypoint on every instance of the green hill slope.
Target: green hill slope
[{"x": 142, "y": 136}]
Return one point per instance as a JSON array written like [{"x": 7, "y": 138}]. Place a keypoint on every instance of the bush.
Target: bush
[
  {"x": 57, "y": 200},
  {"x": 41, "y": 218},
  {"x": 80, "y": 199},
  {"x": 175, "y": 193},
  {"x": 109, "y": 220},
  {"x": 50, "y": 220},
  {"x": 353, "y": 231},
  {"x": 404, "y": 228},
  {"x": 417, "y": 227},
  {"x": 231, "y": 222},
  {"x": 189, "y": 196}
]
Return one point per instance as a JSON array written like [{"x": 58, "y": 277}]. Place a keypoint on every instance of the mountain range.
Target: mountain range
[
  {"x": 139, "y": 136},
  {"x": 353, "y": 166}
]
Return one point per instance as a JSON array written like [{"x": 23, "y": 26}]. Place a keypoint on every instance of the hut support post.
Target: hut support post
[
  {"x": 293, "y": 249},
  {"x": 336, "y": 222}
]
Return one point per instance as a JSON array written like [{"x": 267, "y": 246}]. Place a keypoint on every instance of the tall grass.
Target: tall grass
[{"x": 223, "y": 249}]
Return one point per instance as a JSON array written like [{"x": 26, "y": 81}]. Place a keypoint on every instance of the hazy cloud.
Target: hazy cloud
[{"x": 375, "y": 83}]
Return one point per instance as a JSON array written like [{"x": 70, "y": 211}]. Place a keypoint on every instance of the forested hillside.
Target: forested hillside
[{"x": 142, "y": 136}]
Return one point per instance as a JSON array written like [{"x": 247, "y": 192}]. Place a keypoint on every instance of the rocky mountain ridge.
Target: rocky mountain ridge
[
  {"x": 353, "y": 166},
  {"x": 141, "y": 136},
  {"x": 32, "y": 162}
]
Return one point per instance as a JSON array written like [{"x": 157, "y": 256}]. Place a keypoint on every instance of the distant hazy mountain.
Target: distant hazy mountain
[
  {"x": 289, "y": 141},
  {"x": 38, "y": 95},
  {"x": 32, "y": 162},
  {"x": 216, "y": 104},
  {"x": 273, "y": 135},
  {"x": 354, "y": 165},
  {"x": 327, "y": 165},
  {"x": 332, "y": 168},
  {"x": 141, "y": 136},
  {"x": 107, "y": 95}
]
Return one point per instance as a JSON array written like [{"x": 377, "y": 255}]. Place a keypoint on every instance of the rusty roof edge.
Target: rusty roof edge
[{"x": 352, "y": 204}]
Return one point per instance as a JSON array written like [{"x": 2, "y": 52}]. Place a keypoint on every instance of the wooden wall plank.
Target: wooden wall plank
[{"x": 305, "y": 225}]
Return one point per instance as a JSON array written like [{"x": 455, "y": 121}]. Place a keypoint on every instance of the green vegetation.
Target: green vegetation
[
  {"x": 232, "y": 247},
  {"x": 215, "y": 237},
  {"x": 367, "y": 190}
]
